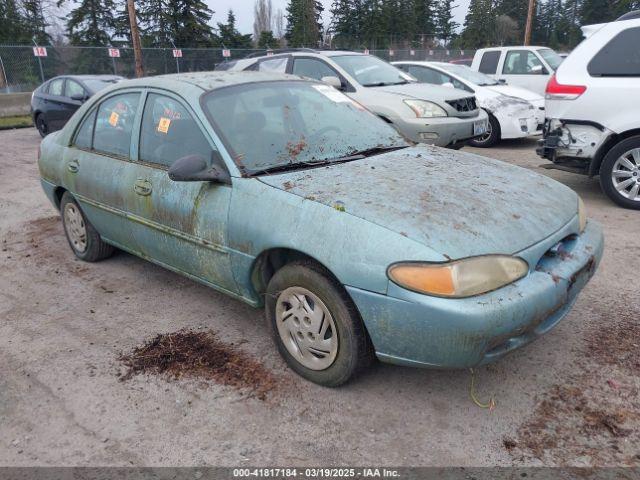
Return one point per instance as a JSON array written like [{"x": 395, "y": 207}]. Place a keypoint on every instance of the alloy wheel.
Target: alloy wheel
[{"x": 626, "y": 175}]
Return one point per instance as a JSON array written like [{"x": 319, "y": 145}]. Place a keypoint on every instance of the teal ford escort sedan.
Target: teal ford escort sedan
[{"x": 285, "y": 193}]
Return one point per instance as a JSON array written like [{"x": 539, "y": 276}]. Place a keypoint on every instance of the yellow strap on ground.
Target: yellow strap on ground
[{"x": 491, "y": 404}]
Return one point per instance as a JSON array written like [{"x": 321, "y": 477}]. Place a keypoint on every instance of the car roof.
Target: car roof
[
  {"x": 91, "y": 77},
  {"x": 212, "y": 80}
]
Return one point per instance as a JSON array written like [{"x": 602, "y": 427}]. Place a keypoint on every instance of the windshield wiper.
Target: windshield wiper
[
  {"x": 385, "y": 84},
  {"x": 370, "y": 152}
]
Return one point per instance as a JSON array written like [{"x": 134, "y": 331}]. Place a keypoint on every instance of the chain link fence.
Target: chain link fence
[{"x": 22, "y": 71}]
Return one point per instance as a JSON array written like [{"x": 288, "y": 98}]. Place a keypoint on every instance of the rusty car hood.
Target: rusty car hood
[{"x": 456, "y": 203}]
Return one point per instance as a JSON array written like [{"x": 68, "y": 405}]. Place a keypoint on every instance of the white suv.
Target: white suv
[{"x": 592, "y": 105}]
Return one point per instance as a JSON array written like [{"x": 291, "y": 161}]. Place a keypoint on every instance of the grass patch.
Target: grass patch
[{"x": 15, "y": 122}]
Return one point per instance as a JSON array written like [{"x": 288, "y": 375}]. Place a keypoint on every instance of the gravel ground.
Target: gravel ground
[{"x": 570, "y": 398}]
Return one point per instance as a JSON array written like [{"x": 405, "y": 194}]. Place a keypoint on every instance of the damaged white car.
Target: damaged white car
[
  {"x": 514, "y": 112},
  {"x": 593, "y": 99}
]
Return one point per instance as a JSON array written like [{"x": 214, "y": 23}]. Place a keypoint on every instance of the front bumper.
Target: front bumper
[
  {"x": 441, "y": 131},
  {"x": 418, "y": 330}
]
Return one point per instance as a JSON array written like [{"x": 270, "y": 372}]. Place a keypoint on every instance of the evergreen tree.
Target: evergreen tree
[
  {"x": 445, "y": 26},
  {"x": 596, "y": 11},
  {"x": 267, "y": 40},
  {"x": 12, "y": 23},
  {"x": 303, "y": 23},
  {"x": 424, "y": 12},
  {"x": 478, "y": 25},
  {"x": 153, "y": 21},
  {"x": 35, "y": 22},
  {"x": 188, "y": 23},
  {"x": 230, "y": 37},
  {"x": 92, "y": 23},
  {"x": 514, "y": 9}
]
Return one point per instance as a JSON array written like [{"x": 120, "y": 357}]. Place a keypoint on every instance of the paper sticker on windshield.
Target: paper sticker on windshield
[
  {"x": 113, "y": 119},
  {"x": 332, "y": 94},
  {"x": 164, "y": 124}
]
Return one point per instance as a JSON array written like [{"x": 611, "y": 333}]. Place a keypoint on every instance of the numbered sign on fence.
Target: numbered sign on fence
[
  {"x": 39, "y": 51},
  {"x": 269, "y": 53},
  {"x": 177, "y": 53},
  {"x": 412, "y": 53},
  {"x": 366, "y": 51},
  {"x": 114, "y": 52},
  {"x": 431, "y": 53},
  {"x": 226, "y": 53},
  {"x": 391, "y": 53}
]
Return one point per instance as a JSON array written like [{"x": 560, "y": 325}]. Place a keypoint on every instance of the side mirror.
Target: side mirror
[
  {"x": 538, "y": 70},
  {"x": 195, "y": 168},
  {"x": 502, "y": 81},
  {"x": 448, "y": 85},
  {"x": 79, "y": 97},
  {"x": 334, "y": 82}
]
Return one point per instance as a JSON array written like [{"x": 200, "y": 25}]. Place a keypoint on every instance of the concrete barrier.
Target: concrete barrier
[{"x": 14, "y": 104}]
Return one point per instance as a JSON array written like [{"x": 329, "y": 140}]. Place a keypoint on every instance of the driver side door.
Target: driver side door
[{"x": 180, "y": 225}]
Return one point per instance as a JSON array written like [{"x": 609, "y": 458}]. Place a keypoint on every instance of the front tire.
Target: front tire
[
  {"x": 490, "y": 138},
  {"x": 315, "y": 325},
  {"x": 83, "y": 238},
  {"x": 620, "y": 173}
]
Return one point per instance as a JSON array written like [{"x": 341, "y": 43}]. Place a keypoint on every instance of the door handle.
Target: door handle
[
  {"x": 142, "y": 187},
  {"x": 73, "y": 166}
]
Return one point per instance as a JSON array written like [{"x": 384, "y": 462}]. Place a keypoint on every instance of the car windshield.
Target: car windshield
[
  {"x": 269, "y": 126},
  {"x": 370, "y": 71},
  {"x": 552, "y": 58},
  {"x": 96, "y": 85},
  {"x": 469, "y": 75}
]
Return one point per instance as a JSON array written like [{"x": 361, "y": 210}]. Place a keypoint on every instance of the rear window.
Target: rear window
[
  {"x": 618, "y": 58},
  {"x": 489, "y": 62}
]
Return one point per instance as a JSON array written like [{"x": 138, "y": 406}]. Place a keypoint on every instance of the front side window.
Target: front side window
[
  {"x": 522, "y": 62},
  {"x": 56, "y": 87},
  {"x": 312, "y": 68},
  {"x": 114, "y": 124},
  {"x": 620, "y": 57},
  {"x": 370, "y": 71},
  {"x": 489, "y": 62},
  {"x": 276, "y": 125},
  {"x": 84, "y": 137},
  {"x": 169, "y": 132},
  {"x": 469, "y": 75}
]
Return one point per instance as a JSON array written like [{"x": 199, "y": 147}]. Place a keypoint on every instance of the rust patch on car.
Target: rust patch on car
[{"x": 190, "y": 354}]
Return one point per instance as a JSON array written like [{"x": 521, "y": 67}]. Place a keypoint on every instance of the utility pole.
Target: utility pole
[
  {"x": 528, "y": 28},
  {"x": 135, "y": 38}
]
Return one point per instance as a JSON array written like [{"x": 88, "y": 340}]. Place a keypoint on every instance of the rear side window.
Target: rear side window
[
  {"x": 169, "y": 132},
  {"x": 114, "y": 124},
  {"x": 84, "y": 137},
  {"x": 274, "y": 65},
  {"x": 56, "y": 87},
  {"x": 73, "y": 88},
  {"x": 618, "y": 58},
  {"x": 489, "y": 62}
]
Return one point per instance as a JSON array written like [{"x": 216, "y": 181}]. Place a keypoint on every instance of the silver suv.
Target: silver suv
[{"x": 424, "y": 113}]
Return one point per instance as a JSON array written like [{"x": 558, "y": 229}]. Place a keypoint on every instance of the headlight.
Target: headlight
[
  {"x": 424, "y": 109},
  {"x": 582, "y": 215},
  {"x": 460, "y": 278}
]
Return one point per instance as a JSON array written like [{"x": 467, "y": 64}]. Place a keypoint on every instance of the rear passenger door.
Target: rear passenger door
[
  {"x": 56, "y": 114},
  {"x": 98, "y": 169},
  {"x": 181, "y": 225}
]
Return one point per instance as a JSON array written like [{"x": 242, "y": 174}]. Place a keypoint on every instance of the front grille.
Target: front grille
[{"x": 464, "y": 104}]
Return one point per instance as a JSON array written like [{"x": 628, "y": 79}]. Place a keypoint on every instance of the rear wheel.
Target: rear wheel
[
  {"x": 620, "y": 173},
  {"x": 41, "y": 125},
  {"x": 491, "y": 137},
  {"x": 315, "y": 325},
  {"x": 83, "y": 238}
]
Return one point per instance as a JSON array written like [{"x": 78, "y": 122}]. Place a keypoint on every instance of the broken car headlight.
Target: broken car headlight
[
  {"x": 582, "y": 215},
  {"x": 460, "y": 278},
  {"x": 424, "y": 109}
]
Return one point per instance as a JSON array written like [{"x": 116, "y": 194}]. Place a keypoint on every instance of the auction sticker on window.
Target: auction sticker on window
[
  {"x": 332, "y": 94},
  {"x": 113, "y": 119},
  {"x": 164, "y": 124}
]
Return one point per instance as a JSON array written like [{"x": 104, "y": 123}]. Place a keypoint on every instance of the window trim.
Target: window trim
[
  {"x": 69, "y": 81},
  {"x": 64, "y": 86},
  {"x": 545, "y": 68},
  {"x": 166, "y": 93}
]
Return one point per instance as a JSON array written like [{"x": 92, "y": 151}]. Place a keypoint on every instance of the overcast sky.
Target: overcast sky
[{"x": 243, "y": 10}]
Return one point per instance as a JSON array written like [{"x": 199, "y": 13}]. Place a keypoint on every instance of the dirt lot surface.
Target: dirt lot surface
[{"x": 74, "y": 389}]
